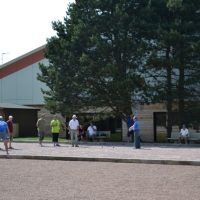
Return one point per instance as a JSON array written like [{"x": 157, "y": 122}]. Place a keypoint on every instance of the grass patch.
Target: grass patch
[
  {"x": 35, "y": 139},
  {"x": 114, "y": 137}
]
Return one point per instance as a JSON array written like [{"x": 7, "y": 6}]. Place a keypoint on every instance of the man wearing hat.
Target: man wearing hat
[
  {"x": 4, "y": 133},
  {"x": 73, "y": 129}
]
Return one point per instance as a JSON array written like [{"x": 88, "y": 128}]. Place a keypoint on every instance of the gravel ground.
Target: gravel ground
[{"x": 66, "y": 180}]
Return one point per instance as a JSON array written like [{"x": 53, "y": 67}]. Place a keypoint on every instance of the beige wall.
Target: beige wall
[{"x": 145, "y": 116}]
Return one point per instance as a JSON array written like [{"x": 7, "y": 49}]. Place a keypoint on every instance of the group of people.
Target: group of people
[
  {"x": 6, "y": 132},
  {"x": 75, "y": 129}
]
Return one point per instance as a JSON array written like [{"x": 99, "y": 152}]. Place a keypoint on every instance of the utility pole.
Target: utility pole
[{"x": 2, "y": 55}]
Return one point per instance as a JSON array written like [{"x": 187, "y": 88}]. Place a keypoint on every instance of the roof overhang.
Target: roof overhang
[{"x": 16, "y": 106}]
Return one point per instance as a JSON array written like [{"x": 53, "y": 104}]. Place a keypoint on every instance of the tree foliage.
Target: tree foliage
[
  {"x": 173, "y": 59},
  {"x": 95, "y": 57},
  {"x": 116, "y": 53}
]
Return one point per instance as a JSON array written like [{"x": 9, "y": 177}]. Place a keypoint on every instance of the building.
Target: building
[
  {"x": 20, "y": 91},
  {"x": 19, "y": 85},
  {"x": 25, "y": 118}
]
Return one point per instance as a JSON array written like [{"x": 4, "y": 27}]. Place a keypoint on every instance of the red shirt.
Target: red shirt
[{"x": 10, "y": 126}]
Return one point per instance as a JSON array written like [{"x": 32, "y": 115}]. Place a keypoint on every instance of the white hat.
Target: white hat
[
  {"x": 73, "y": 116},
  {"x": 1, "y": 117},
  {"x": 10, "y": 117}
]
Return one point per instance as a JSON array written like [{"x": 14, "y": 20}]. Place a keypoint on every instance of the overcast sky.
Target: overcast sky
[{"x": 26, "y": 24}]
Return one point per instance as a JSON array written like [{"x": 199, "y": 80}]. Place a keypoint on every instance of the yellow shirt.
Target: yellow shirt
[{"x": 55, "y": 126}]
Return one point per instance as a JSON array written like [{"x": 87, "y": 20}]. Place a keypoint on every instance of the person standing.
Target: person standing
[
  {"x": 130, "y": 123},
  {"x": 74, "y": 130},
  {"x": 10, "y": 128},
  {"x": 55, "y": 130},
  {"x": 41, "y": 128},
  {"x": 4, "y": 133},
  {"x": 80, "y": 133},
  {"x": 136, "y": 129}
]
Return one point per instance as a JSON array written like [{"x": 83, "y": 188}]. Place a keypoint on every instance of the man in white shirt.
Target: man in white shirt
[
  {"x": 73, "y": 129},
  {"x": 184, "y": 134},
  {"x": 91, "y": 131}
]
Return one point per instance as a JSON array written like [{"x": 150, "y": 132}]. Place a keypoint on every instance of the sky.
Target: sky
[{"x": 26, "y": 24}]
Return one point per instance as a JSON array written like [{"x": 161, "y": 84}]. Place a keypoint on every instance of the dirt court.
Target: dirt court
[{"x": 67, "y": 180}]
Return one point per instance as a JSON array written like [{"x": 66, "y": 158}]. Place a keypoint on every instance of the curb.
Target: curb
[{"x": 113, "y": 160}]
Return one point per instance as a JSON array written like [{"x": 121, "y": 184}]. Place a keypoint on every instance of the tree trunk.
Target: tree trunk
[
  {"x": 181, "y": 101},
  {"x": 169, "y": 97}
]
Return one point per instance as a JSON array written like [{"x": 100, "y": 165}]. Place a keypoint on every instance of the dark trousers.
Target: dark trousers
[
  {"x": 55, "y": 137},
  {"x": 137, "y": 139}
]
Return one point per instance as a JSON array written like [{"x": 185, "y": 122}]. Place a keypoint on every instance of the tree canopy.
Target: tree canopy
[
  {"x": 117, "y": 53},
  {"x": 174, "y": 56},
  {"x": 95, "y": 57}
]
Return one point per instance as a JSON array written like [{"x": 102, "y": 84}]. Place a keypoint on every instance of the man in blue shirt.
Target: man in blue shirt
[
  {"x": 4, "y": 133},
  {"x": 136, "y": 129}
]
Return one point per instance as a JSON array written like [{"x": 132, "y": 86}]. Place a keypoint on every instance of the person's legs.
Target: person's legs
[
  {"x": 93, "y": 137},
  {"x": 56, "y": 139},
  {"x": 76, "y": 138},
  {"x": 4, "y": 136},
  {"x": 41, "y": 137},
  {"x": 6, "y": 146},
  {"x": 132, "y": 135},
  {"x": 186, "y": 139},
  {"x": 72, "y": 134},
  {"x": 137, "y": 139},
  {"x": 10, "y": 141}
]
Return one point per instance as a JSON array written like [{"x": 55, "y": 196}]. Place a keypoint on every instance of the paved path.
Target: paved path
[{"x": 116, "y": 152}]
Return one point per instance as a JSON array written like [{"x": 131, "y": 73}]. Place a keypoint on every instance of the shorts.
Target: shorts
[
  {"x": 41, "y": 135},
  {"x": 4, "y": 136}
]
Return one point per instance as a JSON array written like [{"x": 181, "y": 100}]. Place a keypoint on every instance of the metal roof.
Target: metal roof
[{"x": 15, "y": 106}]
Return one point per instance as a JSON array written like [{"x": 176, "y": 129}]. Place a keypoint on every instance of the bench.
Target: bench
[
  {"x": 174, "y": 137},
  {"x": 102, "y": 134},
  {"x": 193, "y": 136}
]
